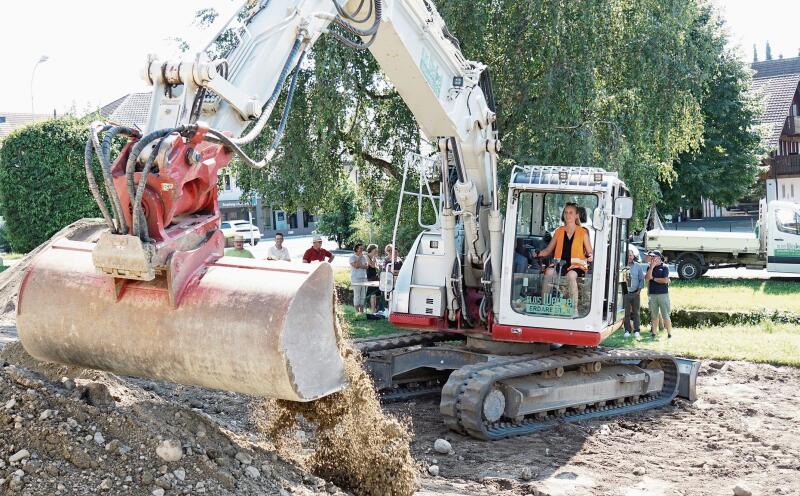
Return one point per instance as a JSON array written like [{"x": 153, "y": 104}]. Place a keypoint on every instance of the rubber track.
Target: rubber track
[
  {"x": 463, "y": 394},
  {"x": 431, "y": 387},
  {"x": 402, "y": 340}
]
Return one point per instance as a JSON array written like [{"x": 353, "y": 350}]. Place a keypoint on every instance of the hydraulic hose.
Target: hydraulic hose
[
  {"x": 130, "y": 166},
  {"x": 270, "y": 104},
  {"x": 372, "y": 31},
  {"x": 104, "y": 155},
  {"x": 351, "y": 16},
  {"x": 360, "y": 32},
  {"x": 137, "y": 217},
  {"x": 98, "y": 198},
  {"x": 287, "y": 106}
]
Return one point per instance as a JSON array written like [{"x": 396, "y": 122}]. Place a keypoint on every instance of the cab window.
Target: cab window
[
  {"x": 788, "y": 220},
  {"x": 542, "y": 287}
]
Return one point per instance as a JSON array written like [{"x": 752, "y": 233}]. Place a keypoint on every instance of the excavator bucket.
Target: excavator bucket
[{"x": 251, "y": 326}]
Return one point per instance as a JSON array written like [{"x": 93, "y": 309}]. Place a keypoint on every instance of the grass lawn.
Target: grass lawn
[
  {"x": 741, "y": 295},
  {"x": 360, "y": 327},
  {"x": 12, "y": 256},
  {"x": 766, "y": 342},
  {"x": 341, "y": 276}
]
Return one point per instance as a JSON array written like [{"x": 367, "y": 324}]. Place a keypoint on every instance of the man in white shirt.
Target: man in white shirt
[{"x": 278, "y": 251}]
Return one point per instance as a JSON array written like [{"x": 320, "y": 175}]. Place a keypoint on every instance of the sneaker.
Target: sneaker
[
  {"x": 669, "y": 336},
  {"x": 627, "y": 334},
  {"x": 653, "y": 335},
  {"x": 637, "y": 335}
]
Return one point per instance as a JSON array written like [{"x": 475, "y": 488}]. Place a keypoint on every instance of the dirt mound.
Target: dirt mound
[
  {"x": 69, "y": 430},
  {"x": 101, "y": 433},
  {"x": 356, "y": 444},
  {"x": 81, "y": 230}
]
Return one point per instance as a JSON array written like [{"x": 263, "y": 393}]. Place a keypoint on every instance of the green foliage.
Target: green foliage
[
  {"x": 43, "y": 182},
  {"x": 617, "y": 84},
  {"x": 724, "y": 168},
  {"x": 339, "y": 212}
]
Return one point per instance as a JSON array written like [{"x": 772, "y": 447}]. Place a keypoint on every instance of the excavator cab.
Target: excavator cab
[{"x": 538, "y": 301}]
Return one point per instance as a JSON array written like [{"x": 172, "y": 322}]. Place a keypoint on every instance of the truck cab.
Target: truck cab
[{"x": 534, "y": 307}]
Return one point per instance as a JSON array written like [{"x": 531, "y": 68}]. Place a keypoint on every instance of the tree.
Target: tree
[
  {"x": 338, "y": 215},
  {"x": 724, "y": 168},
  {"x": 43, "y": 181},
  {"x": 617, "y": 84}
]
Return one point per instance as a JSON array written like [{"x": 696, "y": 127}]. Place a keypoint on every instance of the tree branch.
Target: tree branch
[
  {"x": 377, "y": 96},
  {"x": 381, "y": 164}
]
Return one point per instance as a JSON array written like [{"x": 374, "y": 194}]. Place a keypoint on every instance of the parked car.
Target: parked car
[{"x": 231, "y": 228}]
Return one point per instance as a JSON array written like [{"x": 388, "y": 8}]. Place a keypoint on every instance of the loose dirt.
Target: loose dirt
[
  {"x": 69, "y": 430},
  {"x": 356, "y": 445},
  {"x": 745, "y": 429},
  {"x": 66, "y": 430}
]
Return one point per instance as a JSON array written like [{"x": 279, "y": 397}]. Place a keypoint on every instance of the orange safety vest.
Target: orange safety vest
[{"x": 577, "y": 256}]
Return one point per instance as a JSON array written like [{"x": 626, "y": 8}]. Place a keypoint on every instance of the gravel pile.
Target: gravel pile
[
  {"x": 92, "y": 433},
  {"x": 68, "y": 430}
]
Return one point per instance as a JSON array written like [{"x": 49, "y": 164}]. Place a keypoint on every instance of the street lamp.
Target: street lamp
[{"x": 42, "y": 59}]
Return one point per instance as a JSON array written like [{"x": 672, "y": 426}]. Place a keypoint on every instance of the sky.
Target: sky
[
  {"x": 758, "y": 21},
  {"x": 96, "y": 49}
]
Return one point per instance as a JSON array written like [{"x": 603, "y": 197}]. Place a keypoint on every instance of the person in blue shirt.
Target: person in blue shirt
[
  {"x": 634, "y": 282},
  {"x": 658, "y": 292}
]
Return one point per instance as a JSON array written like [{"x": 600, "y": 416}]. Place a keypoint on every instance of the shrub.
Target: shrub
[{"x": 43, "y": 182}]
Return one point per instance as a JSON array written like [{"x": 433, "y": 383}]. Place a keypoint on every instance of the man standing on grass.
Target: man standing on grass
[
  {"x": 658, "y": 293},
  {"x": 634, "y": 282}
]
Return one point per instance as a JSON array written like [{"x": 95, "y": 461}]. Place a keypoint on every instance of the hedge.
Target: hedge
[{"x": 43, "y": 182}]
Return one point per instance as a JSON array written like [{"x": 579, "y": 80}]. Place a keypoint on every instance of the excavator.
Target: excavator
[{"x": 510, "y": 348}]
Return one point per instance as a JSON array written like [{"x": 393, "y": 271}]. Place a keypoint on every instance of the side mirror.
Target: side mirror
[
  {"x": 598, "y": 219},
  {"x": 623, "y": 207}
]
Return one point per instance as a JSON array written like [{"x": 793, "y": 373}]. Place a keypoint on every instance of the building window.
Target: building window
[
  {"x": 791, "y": 187},
  {"x": 2, "y": 119},
  {"x": 783, "y": 191},
  {"x": 226, "y": 182}
]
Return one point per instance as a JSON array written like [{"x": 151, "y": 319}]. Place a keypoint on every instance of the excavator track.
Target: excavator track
[
  {"x": 402, "y": 340},
  {"x": 463, "y": 395},
  {"x": 421, "y": 386}
]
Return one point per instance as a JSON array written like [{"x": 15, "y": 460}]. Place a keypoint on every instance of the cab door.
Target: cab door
[
  {"x": 783, "y": 241},
  {"x": 617, "y": 256}
]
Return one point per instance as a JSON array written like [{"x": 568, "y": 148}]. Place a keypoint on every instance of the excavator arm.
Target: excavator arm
[{"x": 148, "y": 297}]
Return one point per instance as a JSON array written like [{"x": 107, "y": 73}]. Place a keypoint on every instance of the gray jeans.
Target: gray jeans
[{"x": 631, "y": 303}]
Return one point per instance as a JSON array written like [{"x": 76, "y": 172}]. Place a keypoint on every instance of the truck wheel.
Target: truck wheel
[{"x": 689, "y": 268}]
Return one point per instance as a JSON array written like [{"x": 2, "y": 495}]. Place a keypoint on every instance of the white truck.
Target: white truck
[{"x": 775, "y": 244}]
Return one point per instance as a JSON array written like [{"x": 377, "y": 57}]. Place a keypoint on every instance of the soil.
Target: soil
[{"x": 745, "y": 430}]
